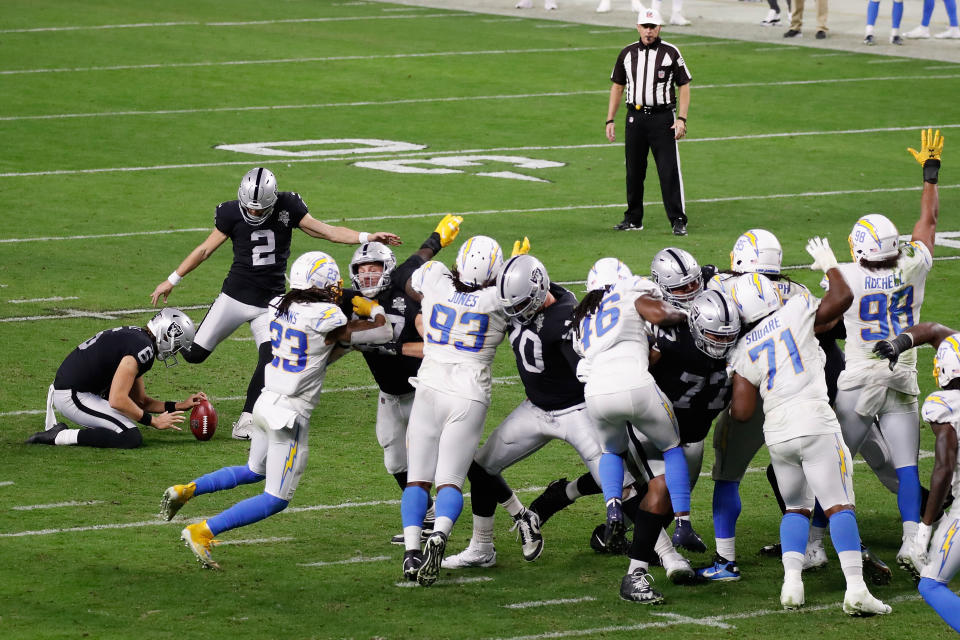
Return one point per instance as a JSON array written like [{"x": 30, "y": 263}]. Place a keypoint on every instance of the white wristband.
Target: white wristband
[
  {"x": 364, "y": 237},
  {"x": 377, "y": 311},
  {"x": 174, "y": 278}
]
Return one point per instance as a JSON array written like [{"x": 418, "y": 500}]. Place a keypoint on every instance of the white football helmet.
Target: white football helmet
[
  {"x": 172, "y": 330},
  {"x": 479, "y": 261},
  {"x": 258, "y": 191},
  {"x": 874, "y": 238},
  {"x": 315, "y": 269},
  {"x": 679, "y": 276},
  {"x": 715, "y": 323},
  {"x": 371, "y": 284},
  {"x": 756, "y": 251},
  {"x": 605, "y": 272},
  {"x": 946, "y": 364},
  {"x": 755, "y": 296},
  {"x": 522, "y": 287}
]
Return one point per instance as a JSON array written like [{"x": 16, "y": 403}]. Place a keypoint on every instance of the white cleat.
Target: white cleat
[
  {"x": 906, "y": 558},
  {"x": 243, "y": 427},
  {"x": 953, "y": 33},
  {"x": 920, "y": 33},
  {"x": 550, "y": 5},
  {"x": 524, "y": 4},
  {"x": 604, "y": 6},
  {"x": 678, "y": 20},
  {"x": 678, "y": 568},
  {"x": 527, "y": 525},
  {"x": 480, "y": 556},
  {"x": 815, "y": 557},
  {"x": 791, "y": 594},
  {"x": 862, "y": 603}
]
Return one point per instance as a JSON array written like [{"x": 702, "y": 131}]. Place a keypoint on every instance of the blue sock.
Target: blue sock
[
  {"x": 897, "y": 14},
  {"x": 413, "y": 506},
  {"x": 873, "y": 8},
  {"x": 678, "y": 478},
  {"x": 944, "y": 602},
  {"x": 726, "y": 508},
  {"x": 794, "y": 529},
  {"x": 927, "y": 12},
  {"x": 844, "y": 532},
  {"x": 246, "y": 512},
  {"x": 611, "y": 476},
  {"x": 449, "y": 503},
  {"x": 226, "y": 478},
  {"x": 908, "y": 494},
  {"x": 951, "y": 7},
  {"x": 819, "y": 517}
]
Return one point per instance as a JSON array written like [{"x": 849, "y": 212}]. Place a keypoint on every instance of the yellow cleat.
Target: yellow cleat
[
  {"x": 174, "y": 498},
  {"x": 199, "y": 539}
]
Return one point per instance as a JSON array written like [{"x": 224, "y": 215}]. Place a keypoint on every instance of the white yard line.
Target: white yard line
[
  {"x": 7, "y": 483},
  {"x": 347, "y": 561},
  {"x": 56, "y": 505},
  {"x": 547, "y": 603},
  {"x": 53, "y": 299},
  {"x": 255, "y": 541},
  {"x": 449, "y": 581}
]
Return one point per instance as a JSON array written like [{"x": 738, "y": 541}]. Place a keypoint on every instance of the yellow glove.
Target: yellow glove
[
  {"x": 448, "y": 228},
  {"x": 931, "y": 146},
  {"x": 520, "y": 248},
  {"x": 362, "y": 306}
]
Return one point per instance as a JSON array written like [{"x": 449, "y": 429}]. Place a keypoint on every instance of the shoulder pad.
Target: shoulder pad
[
  {"x": 429, "y": 272},
  {"x": 327, "y": 317},
  {"x": 941, "y": 407},
  {"x": 641, "y": 285}
]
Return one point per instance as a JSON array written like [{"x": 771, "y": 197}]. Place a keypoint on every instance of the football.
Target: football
[{"x": 203, "y": 420}]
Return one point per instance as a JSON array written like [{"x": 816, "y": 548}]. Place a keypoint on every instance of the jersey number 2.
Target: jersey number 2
[{"x": 263, "y": 253}]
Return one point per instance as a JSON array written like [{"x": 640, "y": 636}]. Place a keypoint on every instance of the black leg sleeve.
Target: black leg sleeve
[
  {"x": 587, "y": 486},
  {"x": 486, "y": 491},
  {"x": 106, "y": 439},
  {"x": 646, "y": 530},
  {"x": 256, "y": 381},
  {"x": 772, "y": 479}
]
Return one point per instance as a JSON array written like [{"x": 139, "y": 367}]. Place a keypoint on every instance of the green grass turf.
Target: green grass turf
[{"x": 138, "y": 581}]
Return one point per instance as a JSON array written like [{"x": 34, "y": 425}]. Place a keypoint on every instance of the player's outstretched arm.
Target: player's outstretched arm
[
  {"x": 931, "y": 333},
  {"x": 839, "y": 296},
  {"x": 659, "y": 312},
  {"x": 129, "y": 397},
  {"x": 445, "y": 233},
  {"x": 931, "y": 147},
  {"x": 203, "y": 251},
  {"x": 317, "y": 229}
]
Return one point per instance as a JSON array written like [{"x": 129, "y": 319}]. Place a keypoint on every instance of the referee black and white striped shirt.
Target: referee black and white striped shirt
[{"x": 650, "y": 74}]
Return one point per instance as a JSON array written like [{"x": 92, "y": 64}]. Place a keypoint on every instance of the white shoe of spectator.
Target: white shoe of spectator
[
  {"x": 550, "y": 5},
  {"x": 525, "y": 4},
  {"x": 918, "y": 33},
  {"x": 604, "y": 6},
  {"x": 952, "y": 33},
  {"x": 678, "y": 20},
  {"x": 772, "y": 19}
]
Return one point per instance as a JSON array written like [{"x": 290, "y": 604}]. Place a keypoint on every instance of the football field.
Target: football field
[{"x": 124, "y": 124}]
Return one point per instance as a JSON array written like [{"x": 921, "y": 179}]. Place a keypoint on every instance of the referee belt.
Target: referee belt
[{"x": 656, "y": 109}]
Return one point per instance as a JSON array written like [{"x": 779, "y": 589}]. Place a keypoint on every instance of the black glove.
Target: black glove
[
  {"x": 891, "y": 349},
  {"x": 385, "y": 349}
]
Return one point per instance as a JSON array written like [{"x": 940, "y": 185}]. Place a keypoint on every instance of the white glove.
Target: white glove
[
  {"x": 920, "y": 544},
  {"x": 823, "y": 258}
]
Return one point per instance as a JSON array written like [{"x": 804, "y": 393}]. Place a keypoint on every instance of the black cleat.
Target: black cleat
[
  {"x": 412, "y": 561},
  {"x": 874, "y": 569},
  {"x": 628, "y": 226},
  {"x": 771, "y": 551},
  {"x": 553, "y": 499},
  {"x": 684, "y": 537},
  {"x": 49, "y": 436},
  {"x": 679, "y": 229},
  {"x": 793, "y": 33},
  {"x": 635, "y": 587},
  {"x": 618, "y": 544}
]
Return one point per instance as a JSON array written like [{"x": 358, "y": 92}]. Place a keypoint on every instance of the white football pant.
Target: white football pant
[
  {"x": 646, "y": 407},
  {"x": 225, "y": 316},
  {"x": 813, "y": 467},
  {"x": 393, "y": 414},
  {"x": 85, "y": 409}
]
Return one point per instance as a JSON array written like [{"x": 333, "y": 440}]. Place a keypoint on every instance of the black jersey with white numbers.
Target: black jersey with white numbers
[
  {"x": 91, "y": 366},
  {"x": 260, "y": 252},
  {"x": 392, "y": 373},
  {"x": 545, "y": 357},
  {"x": 697, "y": 385}
]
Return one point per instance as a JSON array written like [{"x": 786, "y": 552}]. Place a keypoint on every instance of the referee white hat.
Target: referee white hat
[{"x": 649, "y": 16}]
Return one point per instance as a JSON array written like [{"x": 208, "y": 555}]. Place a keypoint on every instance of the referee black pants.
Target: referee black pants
[{"x": 647, "y": 132}]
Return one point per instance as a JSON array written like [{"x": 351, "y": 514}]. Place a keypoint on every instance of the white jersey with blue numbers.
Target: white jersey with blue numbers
[
  {"x": 461, "y": 332},
  {"x": 782, "y": 358},
  {"x": 723, "y": 282},
  {"x": 614, "y": 340},
  {"x": 943, "y": 407},
  {"x": 300, "y": 351},
  {"x": 885, "y": 303}
]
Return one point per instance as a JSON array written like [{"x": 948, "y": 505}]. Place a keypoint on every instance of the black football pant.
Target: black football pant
[{"x": 647, "y": 132}]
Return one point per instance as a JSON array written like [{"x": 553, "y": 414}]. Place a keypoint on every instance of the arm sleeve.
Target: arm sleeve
[
  {"x": 222, "y": 221},
  {"x": 403, "y": 273}
]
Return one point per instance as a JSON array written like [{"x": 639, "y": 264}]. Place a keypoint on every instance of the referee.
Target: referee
[{"x": 656, "y": 81}]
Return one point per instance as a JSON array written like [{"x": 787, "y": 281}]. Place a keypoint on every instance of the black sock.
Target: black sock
[
  {"x": 587, "y": 486},
  {"x": 401, "y": 478},
  {"x": 483, "y": 499},
  {"x": 646, "y": 530},
  {"x": 256, "y": 380},
  {"x": 772, "y": 479},
  {"x": 106, "y": 439}
]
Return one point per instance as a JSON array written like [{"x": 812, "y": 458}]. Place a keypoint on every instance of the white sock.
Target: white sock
[
  {"x": 67, "y": 437},
  {"x": 482, "y": 530},
  {"x": 637, "y": 563},
  {"x": 726, "y": 547},
  {"x": 792, "y": 561},
  {"x": 664, "y": 545},
  {"x": 411, "y": 537},
  {"x": 513, "y": 505},
  {"x": 869, "y": 30},
  {"x": 909, "y": 528},
  {"x": 573, "y": 492},
  {"x": 443, "y": 525},
  {"x": 852, "y": 564},
  {"x": 816, "y": 534},
  {"x": 792, "y": 575}
]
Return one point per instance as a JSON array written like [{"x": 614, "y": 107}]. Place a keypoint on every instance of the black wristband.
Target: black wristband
[
  {"x": 609, "y": 121},
  {"x": 903, "y": 342},
  {"x": 170, "y": 406},
  {"x": 146, "y": 419},
  {"x": 432, "y": 243},
  {"x": 931, "y": 171},
  {"x": 682, "y": 118}
]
